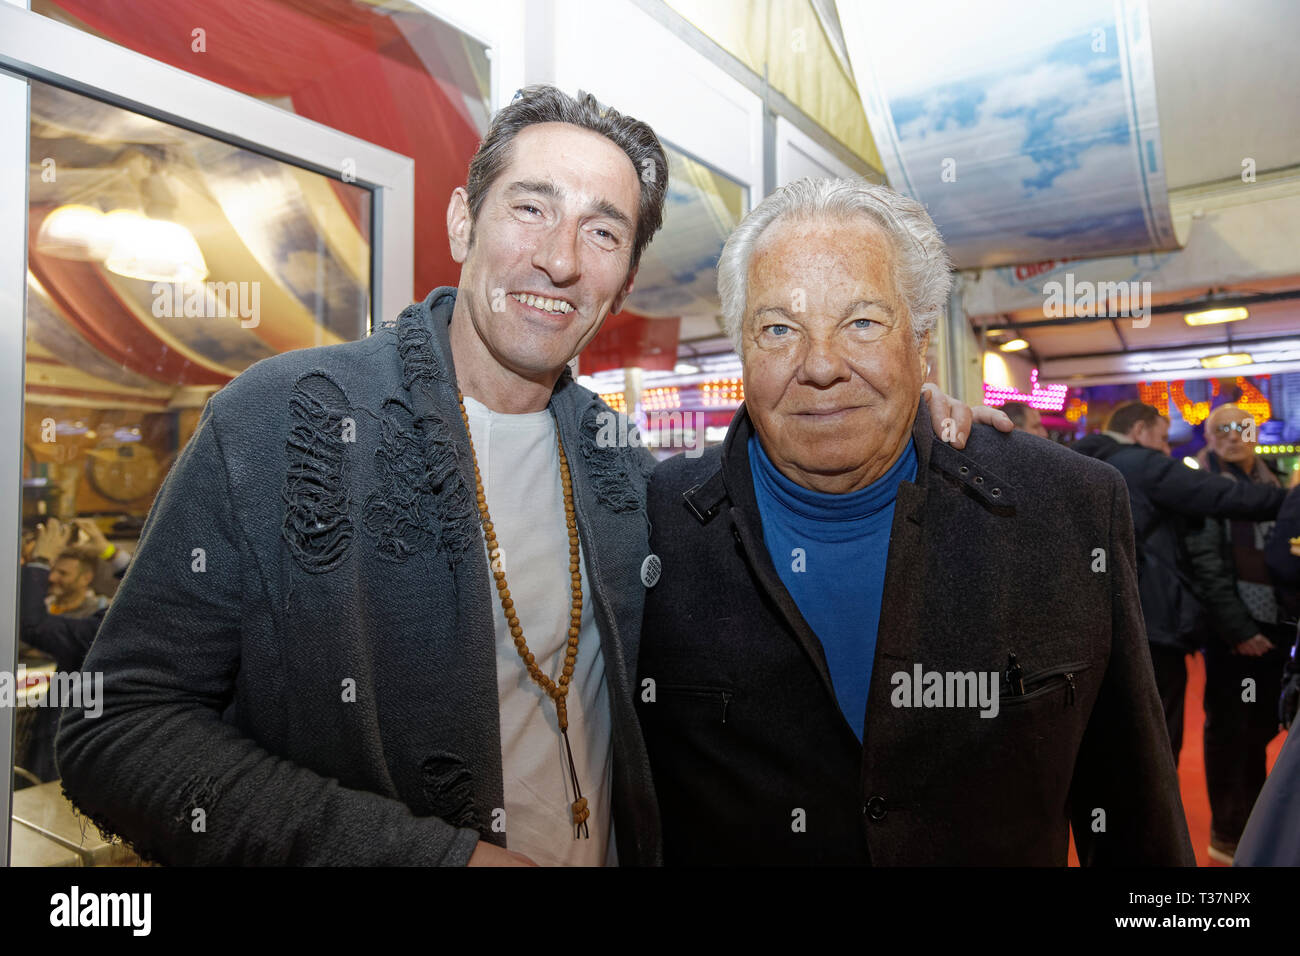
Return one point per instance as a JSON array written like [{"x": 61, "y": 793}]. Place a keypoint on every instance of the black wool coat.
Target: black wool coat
[{"x": 1014, "y": 545}]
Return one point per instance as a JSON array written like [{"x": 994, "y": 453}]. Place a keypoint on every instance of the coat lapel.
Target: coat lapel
[
  {"x": 747, "y": 527},
  {"x": 901, "y": 601}
]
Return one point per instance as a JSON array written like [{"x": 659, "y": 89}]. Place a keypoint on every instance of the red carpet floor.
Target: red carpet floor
[{"x": 1191, "y": 765}]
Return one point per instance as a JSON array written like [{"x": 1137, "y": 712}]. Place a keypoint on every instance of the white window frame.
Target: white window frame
[
  {"x": 813, "y": 158},
  {"x": 34, "y": 47},
  {"x": 660, "y": 80}
]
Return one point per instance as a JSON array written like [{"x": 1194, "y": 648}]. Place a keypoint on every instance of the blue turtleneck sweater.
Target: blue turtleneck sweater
[{"x": 831, "y": 552}]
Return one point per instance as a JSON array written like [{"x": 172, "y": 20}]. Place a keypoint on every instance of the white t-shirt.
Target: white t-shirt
[{"x": 520, "y": 464}]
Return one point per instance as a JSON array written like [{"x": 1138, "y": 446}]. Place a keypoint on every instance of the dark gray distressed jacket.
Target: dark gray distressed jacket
[{"x": 283, "y": 564}]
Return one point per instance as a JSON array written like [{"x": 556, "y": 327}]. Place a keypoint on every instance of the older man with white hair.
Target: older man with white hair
[
  {"x": 867, "y": 646},
  {"x": 1251, "y": 631}
]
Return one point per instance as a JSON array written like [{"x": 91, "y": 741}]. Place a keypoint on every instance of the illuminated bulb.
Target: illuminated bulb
[
  {"x": 75, "y": 232},
  {"x": 1215, "y": 316},
  {"x": 1226, "y": 360},
  {"x": 154, "y": 250}
]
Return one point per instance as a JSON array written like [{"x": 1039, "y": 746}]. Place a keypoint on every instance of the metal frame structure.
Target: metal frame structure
[{"x": 33, "y": 47}]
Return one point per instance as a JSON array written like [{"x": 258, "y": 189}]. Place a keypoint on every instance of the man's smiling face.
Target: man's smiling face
[
  {"x": 832, "y": 372},
  {"x": 550, "y": 252}
]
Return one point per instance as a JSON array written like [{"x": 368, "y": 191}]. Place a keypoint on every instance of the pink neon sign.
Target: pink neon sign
[{"x": 1045, "y": 398}]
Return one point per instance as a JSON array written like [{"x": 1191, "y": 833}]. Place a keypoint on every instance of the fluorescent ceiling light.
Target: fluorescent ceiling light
[
  {"x": 1215, "y": 316},
  {"x": 685, "y": 368},
  {"x": 1226, "y": 360},
  {"x": 1171, "y": 365}
]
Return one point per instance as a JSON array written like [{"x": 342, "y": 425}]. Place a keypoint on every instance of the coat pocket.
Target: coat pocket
[
  {"x": 707, "y": 698},
  {"x": 1045, "y": 681}
]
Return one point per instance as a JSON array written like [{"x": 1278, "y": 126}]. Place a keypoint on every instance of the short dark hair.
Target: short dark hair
[
  {"x": 1018, "y": 412},
  {"x": 546, "y": 104},
  {"x": 1123, "y": 419},
  {"x": 88, "y": 565}
]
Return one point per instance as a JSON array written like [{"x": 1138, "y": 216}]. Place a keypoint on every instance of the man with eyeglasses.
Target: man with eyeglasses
[
  {"x": 1245, "y": 653},
  {"x": 1165, "y": 495}
]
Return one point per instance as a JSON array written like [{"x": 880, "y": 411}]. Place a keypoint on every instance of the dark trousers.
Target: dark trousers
[
  {"x": 1170, "y": 665},
  {"x": 1237, "y": 731}
]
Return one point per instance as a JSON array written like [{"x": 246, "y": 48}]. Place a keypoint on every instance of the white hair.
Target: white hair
[{"x": 922, "y": 270}]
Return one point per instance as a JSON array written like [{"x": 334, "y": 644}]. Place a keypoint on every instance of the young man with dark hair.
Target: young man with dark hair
[
  {"x": 70, "y": 594},
  {"x": 387, "y": 605},
  {"x": 61, "y": 623}
]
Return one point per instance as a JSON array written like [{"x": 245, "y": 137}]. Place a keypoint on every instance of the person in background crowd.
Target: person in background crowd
[
  {"x": 370, "y": 670},
  {"x": 69, "y": 592},
  {"x": 845, "y": 666},
  {"x": 84, "y": 536},
  {"x": 1025, "y": 417},
  {"x": 1283, "y": 556},
  {"x": 1245, "y": 655},
  {"x": 1164, "y": 496},
  {"x": 65, "y": 637},
  {"x": 1272, "y": 834}
]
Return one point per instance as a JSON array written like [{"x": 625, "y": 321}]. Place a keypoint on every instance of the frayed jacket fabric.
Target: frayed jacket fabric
[
  {"x": 299, "y": 667},
  {"x": 1011, "y": 545}
]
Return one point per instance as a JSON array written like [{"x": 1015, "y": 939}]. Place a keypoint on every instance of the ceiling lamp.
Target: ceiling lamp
[
  {"x": 995, "y": 370},
  {"x": 74, "y": 232},
  {"x": 155, "y": 250},
  {"x": 126, "y": 241},
  {"x": 1015, "y": 345},
  {"x": 1226, "y": 360},
  {"x": 1215, "y": 316}
]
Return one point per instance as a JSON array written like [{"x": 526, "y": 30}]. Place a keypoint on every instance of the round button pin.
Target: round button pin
[{"x": 650, "y": 569}]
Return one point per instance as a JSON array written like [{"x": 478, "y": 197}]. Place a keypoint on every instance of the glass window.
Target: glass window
[
  {"x": 672, "y": 328},
  {"x": 384, "y": 71},
  {"x": 161, "y": 264}
]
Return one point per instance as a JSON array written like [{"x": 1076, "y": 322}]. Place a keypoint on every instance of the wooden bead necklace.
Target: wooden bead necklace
[{"x": 558, "y": 691}]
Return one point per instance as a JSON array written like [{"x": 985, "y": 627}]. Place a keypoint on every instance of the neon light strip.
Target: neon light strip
[{"x": 1045, "y": 398}]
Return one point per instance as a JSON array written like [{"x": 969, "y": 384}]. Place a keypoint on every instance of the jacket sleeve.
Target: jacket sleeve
[
  {"x": 1216, "y": 583},
  {"x": 1125, "y": 765},
  {"x": 1201, "y": 494},
  {"x": 1271, "y": 837},
  {"x": 160, "y": 752},
  {"x": 65, "y": 639},
  {"x": 1284, "y": 565}
]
